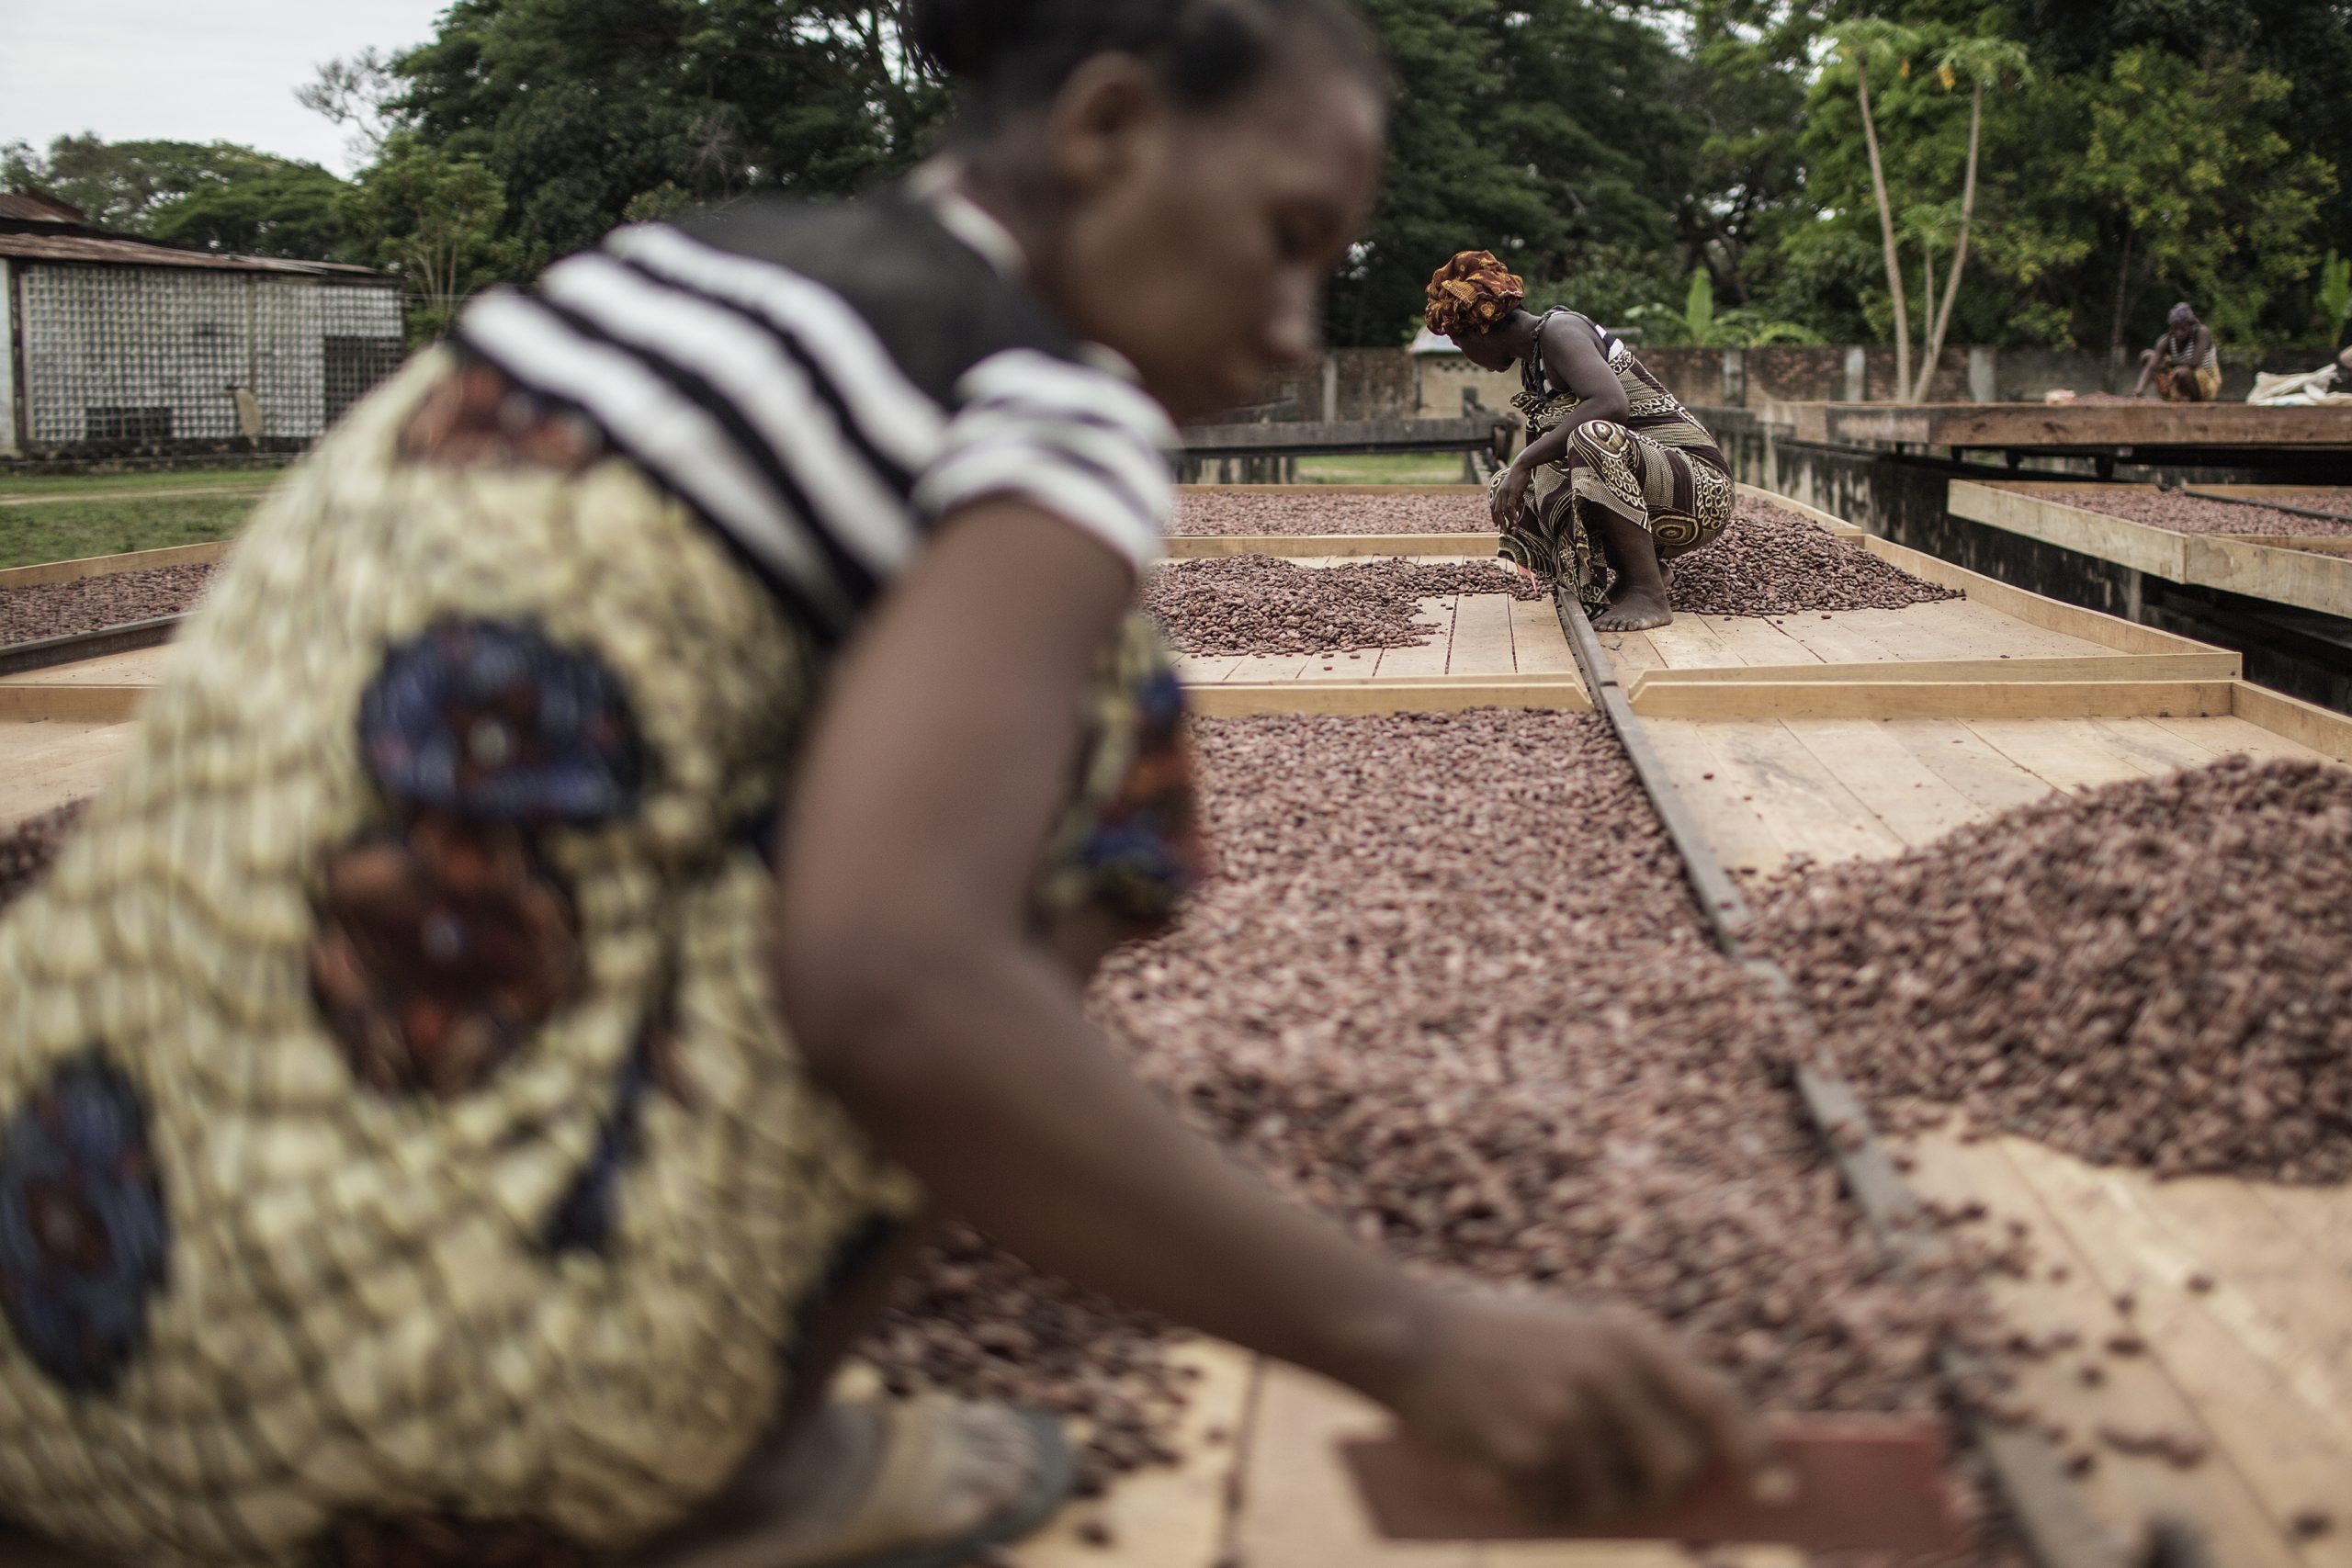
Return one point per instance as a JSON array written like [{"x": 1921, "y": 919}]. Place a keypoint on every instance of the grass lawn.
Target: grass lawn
[
  {"x": 68, "y": 486},
  {"x": 71, "y": 530},
  {"x": 1400, "y": 468}
]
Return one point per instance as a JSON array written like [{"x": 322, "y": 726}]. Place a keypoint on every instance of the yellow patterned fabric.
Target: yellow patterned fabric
[{"x": 303, "y": 1230}]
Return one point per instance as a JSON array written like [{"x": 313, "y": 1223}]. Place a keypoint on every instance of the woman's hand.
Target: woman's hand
[
  {"x": 1580, "y": 1413},
  {"x": 1510, "y": 496}
]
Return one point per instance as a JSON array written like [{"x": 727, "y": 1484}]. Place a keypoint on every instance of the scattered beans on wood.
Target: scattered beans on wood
[
  {"x": 1449, "y": 987},
  {"x": 2156, "y": 973},
  {"x": 1260, "y": 605},
  {"x": 93, "y": 603}
]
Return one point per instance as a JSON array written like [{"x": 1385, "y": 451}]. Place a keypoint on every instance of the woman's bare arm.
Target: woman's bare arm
[
  {"x": 908, "y": 977},
  {"x": 906, "y": 971},
  {"x": 1572, "y": 353}
]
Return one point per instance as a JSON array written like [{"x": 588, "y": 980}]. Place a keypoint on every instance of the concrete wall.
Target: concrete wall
[
  {"x": 1344, "y": 383},
  {"x": 1384, "y": 383},
  {"x": 122, "y": 356}
]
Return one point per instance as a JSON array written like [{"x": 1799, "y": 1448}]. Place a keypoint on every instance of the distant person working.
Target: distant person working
[{"x": 2185, "y": 365}]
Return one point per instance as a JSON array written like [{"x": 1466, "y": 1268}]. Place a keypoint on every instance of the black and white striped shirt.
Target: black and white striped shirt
[{"x": 822, "y": 384}]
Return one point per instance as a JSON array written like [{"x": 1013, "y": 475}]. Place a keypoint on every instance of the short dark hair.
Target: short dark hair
[{"x": 1008, "y": 55}]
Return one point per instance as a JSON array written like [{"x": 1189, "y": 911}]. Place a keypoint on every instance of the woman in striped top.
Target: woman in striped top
[{"x": 615, "y": 849}]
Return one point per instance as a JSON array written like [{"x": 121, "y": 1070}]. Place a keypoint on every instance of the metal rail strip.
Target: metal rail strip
[
  {"x": 18, "y": 658},
  {"x": 2059, "y": 1529}
]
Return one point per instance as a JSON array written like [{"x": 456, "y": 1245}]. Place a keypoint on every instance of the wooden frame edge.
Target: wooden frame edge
[
  {"x": 1940, "y": 699},
  {"x": 45, "y": 573}
]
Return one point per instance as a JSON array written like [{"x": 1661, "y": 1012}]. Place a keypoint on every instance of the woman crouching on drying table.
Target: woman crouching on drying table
[
  {"x": 1615, "y": 473},
  {"x": 617, "y": 847}
]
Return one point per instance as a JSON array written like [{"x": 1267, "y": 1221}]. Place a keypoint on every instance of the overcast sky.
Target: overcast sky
[{"x": 214, "y": 70}]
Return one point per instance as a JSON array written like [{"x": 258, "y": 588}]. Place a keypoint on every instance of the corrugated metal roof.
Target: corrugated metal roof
[
  {"x": 34, "y": 208},
  {"x": 41, "y": 242}
]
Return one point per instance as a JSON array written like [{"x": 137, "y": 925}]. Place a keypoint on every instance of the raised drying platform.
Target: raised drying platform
[
  {"x": 1484, "y": 650},
  {"x": 2133, "y": 431},
  {"x": 2311, "y": 572},
  {"x": 2028, "y": 697}
]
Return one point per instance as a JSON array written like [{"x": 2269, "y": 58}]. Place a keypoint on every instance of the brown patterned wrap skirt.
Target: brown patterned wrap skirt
[{"x": 1658, "y": 469}]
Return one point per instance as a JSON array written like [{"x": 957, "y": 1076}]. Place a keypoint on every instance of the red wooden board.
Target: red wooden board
[{"x": 1868, "y": 1484}]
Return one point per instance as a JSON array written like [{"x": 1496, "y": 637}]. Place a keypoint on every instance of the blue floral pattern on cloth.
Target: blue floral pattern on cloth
[
  {"x": 496, "y": 723},
  {"x": 1128, "y": 850},
  {"x": 440, "y": 947},
  {"x": 1144, "y": 851},
  {"x": 84, "y": 1239}
]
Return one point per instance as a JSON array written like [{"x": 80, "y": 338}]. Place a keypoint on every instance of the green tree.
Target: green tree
[
  {"x": 2333, "y": 296},
  {"x": 292, "y": 211},
  {"x": 1699, "y": 325},
  {"x": 434, "y": 219},
  {"x": 1862, "y": 44},
  {"x": 1743, "y": 81},
  {"x": 216, "y": 195},
  {"x": 1982, "y": 62},
  {"x": 584, "y": 108},
  {"x": 2221, "y": 207}
]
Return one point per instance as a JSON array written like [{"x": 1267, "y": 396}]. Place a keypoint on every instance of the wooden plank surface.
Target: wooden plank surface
[
  {"x": 46, "y": 573},
  {"x": 1169, "y": 1518},
  {"x": 1299, "y": 1507},
  {"x": 140, "y": 667},
  {"x": 2276, "y": 1417},
  {"x": 1482, "y": 635},
  {"x": 2066, "y": 1296},
  {"x": 2108, "y": 631},
  {"x": 48, "y": 763},
  {"x": 1537, "y": 643}
]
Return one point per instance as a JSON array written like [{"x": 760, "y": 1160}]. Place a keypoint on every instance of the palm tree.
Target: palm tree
[
  {"x": 1984, "y": 62},
  {"x": 1863, "y": 42}
]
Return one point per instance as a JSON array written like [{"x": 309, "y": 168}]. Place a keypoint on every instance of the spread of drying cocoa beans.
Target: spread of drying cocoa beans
[
  {"x": 2157, "y": 973},
  {"x": 92, "y": 604},
  {"x": 2200, "y": 514},
  {"x": 1769, "y": 561},
  {"x": 1293, "y": 511},
  {"x": 1260, "y": 605},
  {"x": 1448, "y": 985},
  {"x": 28, "y": 849},
  {"x": 1773, "y": 562}
]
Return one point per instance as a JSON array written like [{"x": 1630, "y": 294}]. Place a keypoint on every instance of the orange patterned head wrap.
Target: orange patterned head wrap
[{"x": 1472, "y": 293}]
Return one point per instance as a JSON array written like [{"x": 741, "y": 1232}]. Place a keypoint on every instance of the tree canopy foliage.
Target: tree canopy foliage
[{"x": 2131, "y": 153}]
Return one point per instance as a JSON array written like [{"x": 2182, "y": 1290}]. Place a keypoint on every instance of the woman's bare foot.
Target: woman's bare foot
[
  {"x": 865, "y": 1480},
  {"x": 1633, "y": 610}
]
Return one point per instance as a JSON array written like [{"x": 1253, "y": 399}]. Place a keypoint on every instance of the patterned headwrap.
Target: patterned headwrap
[
  {"x": 1472, "y": 293},
  {"x": 2182, "y": 317}
]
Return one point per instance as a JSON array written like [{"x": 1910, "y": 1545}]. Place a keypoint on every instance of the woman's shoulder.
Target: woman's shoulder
[{"x": 936, "y": 303}]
